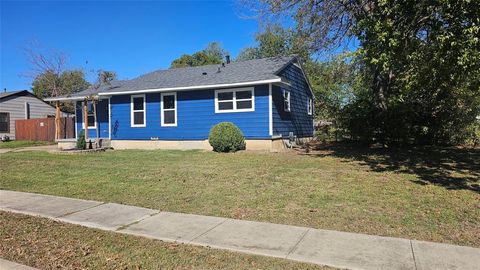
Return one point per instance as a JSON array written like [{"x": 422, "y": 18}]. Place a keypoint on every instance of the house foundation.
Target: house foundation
[{"x": 273, "y": 145}]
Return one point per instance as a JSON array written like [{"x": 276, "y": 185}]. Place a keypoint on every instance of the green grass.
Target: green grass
[
  {"x": 17, "y": 144},
  {"x": 48, "y": 244},
  {"x": 427, "y": 194}
]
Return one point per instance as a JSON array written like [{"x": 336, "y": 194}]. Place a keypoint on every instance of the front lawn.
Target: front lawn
[
  {"x": 47, "y": 244},
  {"x": 427, "y": 194},
  {"x": 17, "y": 144}
]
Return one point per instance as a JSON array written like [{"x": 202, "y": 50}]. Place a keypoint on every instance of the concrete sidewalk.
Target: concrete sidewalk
[
  {"x": 9, "y": 265},
  {"x": 332, "y": 248}
]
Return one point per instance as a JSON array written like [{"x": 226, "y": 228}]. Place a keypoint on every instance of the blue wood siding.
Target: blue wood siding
[
  {"x": 102, "y": 119},
  {"x": 297, "y": 120},
  {"x": 195, "y": 113}
]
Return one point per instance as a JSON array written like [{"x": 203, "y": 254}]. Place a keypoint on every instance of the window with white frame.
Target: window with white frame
[
  {"x": 169, "y": 109},
  {"x": 286, "y": 100},
  {"x": 235, "y": 100},
  {"x": 90, "y": 116},
  {"x": 310, "y": 106},
  {"x": 138, "y": 107}
]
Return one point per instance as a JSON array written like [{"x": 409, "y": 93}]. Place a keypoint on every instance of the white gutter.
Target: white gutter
[
  {"x": 167, "y": 89},
  {"x": 79, "y": 98},
  {"x": 64, "y": 98},
  {"x": 198, "y": 87}
]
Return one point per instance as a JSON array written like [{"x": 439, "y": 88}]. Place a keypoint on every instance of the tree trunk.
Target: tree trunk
[
  {"x": 57, "y": 121},
  {"x": 379, "y": 88},
  {"x": 94, "y": 103},
  {"x": 85, "y": 117}
]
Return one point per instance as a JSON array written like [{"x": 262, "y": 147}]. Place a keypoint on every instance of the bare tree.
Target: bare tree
[{"x": 50, "y": 63}]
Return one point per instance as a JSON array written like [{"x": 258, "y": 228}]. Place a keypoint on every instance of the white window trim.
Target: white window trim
[
  {"x": 310, "y": 106},
  {"x": 234, "y": 100},
  {"x": 83, "y": 115},
  {"x": 289, "y": 109},
  {"x": 162, "y": 110},
  {"x": 144, "y": 111}
]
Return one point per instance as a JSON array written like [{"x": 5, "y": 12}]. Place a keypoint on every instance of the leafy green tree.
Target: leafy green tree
[
  {"x": 423, "y": 59},
  {"x": 420, "y": 62},
  {"x": 66, "y": 83},
  {"x": 215, "y": 50},
  {"x": 248, "y": 53},
  {"x": 212, "y": 54},
  {"x": 105, "y": 76},
  {"x": 275, "y": 41},
  {"x": 332, "y": 81},
  {"x": 185, "y": 60},
  {"x": 42, "y": 84}
]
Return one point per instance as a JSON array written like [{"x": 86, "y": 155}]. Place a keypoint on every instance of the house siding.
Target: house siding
[
  {"x": 195, "y": 117},
  {"x": 15, "y": 105},
  {"x": 297, "y": 120},
  {"x": 102, "y": 120}
]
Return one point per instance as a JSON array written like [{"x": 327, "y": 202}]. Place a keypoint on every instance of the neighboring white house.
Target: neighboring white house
[{"x": 20, "y": 105}]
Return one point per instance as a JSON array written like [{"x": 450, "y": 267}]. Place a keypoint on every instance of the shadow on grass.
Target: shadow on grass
[{"x": 452, "y": 168}]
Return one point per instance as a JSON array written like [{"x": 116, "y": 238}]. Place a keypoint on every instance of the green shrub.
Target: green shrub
[
  {"x": 81, "y": 143},
  {"x": 226, "y": 137}
]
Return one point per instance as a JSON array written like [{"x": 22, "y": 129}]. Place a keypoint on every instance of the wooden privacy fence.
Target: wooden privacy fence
[{"x": 43, "y": 129}]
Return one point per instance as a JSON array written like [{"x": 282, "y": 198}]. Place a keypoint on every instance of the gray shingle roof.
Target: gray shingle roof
[
  {"x": 11, "y": 93},
  {"x": 104, "y": 88},
  {"x": 235, "y": 72}
]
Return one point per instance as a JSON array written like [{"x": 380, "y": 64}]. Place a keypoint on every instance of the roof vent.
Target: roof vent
[
  {"x": 227, "y": 58},
  {"x": 204, "y": 73},
  {"x": 218, "y": 71}
]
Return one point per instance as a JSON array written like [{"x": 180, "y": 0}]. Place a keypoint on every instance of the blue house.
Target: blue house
[{"x": 269, "y": 99}]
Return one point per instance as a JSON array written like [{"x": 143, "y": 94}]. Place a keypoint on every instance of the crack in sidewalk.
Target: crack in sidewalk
[
  {"x": 74, "y": 212},
  {"x": 413, "y": 254},
  {"x": 298, "y": 242},
  {"x": 123, "y": 227},
  {"x": 207, "y": 231}
]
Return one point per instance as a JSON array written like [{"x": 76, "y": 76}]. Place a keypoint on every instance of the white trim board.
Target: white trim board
[
  {"x": 65, "y": 98},
  {"x": 197, "y": 87},
  {"x": 278, "y": 81}
]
